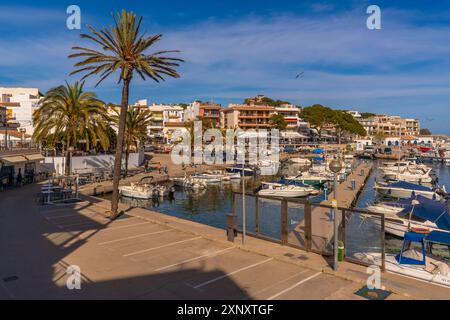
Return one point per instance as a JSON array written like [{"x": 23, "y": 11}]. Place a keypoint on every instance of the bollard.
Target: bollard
[
  {"x": 231, "y": 227},
  {"x": 353, "y": 184}
]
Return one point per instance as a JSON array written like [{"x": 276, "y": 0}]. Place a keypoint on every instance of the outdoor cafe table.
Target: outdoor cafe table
[{"x": 48, "y": 193}]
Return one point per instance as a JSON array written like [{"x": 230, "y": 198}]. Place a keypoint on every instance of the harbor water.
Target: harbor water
[{"x": 210, "y": 207}]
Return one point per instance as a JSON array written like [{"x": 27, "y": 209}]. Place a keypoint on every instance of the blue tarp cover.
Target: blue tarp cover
[
  {"x": 292, "y": 182},
  {"x": 318, "y": 150},
  {"x": 439, "y": 237},
  {"x": 318, "y": 159},
  {"x": 432, "y": 210}
]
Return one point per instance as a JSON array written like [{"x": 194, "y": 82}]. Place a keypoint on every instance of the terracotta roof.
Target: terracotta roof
[{"x": 249, "y": 108}]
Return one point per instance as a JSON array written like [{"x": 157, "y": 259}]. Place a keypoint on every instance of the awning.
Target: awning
[
  {"x": 14, "y": 159},
  {"x": 34, "y": 157}
]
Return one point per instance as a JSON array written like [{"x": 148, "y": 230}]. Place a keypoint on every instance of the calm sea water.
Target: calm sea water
[{"x": 211, "y": 206}]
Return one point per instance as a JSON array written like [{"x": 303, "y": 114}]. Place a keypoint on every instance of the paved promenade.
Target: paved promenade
[{"x": 147, "y": 255}]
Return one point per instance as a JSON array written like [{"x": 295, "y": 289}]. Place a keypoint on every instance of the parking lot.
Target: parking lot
[{"x": 133, "y": 258}]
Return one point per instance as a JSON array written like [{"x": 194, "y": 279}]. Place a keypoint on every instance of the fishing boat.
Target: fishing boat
[
  {"x": 405, "y": 190},
  {"x": 282, "y": 190},
  {"x": 421, "y": 264},
  {"x": 414, "y": 213}
]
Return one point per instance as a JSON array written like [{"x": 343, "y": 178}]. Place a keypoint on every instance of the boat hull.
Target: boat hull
[{"x": 405, "y": 193}]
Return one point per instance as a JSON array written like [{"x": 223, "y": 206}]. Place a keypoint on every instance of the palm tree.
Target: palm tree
[
  {"x": 136, "y": 125},
  {"x": 71, "y": 114},
  {"x": 122, "y": 48}
]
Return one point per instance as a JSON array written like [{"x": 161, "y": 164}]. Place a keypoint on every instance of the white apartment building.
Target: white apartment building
[
  {"x": 392, "y": 126},
  {"x": 290, "y": 114},
  {"x": 20, "y": 103},
  {"x": 166, "y": 120}
]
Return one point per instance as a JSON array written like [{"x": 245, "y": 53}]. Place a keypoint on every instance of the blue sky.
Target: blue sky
[{"x": 237, "y": 49}]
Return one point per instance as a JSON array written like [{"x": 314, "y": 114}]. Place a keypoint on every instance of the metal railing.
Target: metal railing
[{"x": 308, "y": 226}]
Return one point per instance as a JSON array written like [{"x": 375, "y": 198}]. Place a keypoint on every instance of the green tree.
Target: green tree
[
  {"x": 278, "y": 121},
  {"x": 69, "y": 112},
  {"x": 346, "y": 123},
  {"x": 317, "y": 116},
  {"x": 366, "y": 115},
  {"x": 122, "y": 48},
  {"x": 425, "y": 132},
  {"x": 379, "y": 137},
  {"x": 137, "y": 122}
]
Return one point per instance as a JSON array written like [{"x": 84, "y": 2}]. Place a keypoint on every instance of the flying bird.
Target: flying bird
[{"x": 298, "y": 76}]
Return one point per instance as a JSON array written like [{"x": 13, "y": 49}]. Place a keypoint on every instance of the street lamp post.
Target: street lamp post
[
  {"x": 335, "y": 167},
  {"x": 70, "y": 150}
]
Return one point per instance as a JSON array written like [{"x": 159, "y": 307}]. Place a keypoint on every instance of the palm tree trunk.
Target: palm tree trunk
[{"x": 119, "y": 148}]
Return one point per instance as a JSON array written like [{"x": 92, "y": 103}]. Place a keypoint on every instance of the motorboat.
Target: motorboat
[
  {"x": 242, "y": 170},
  {"x": 316, "y": 181},
  {"x": 311, "y": 189},
  {"x": 300, "y": 161},
  {"x": 414, "y": 213},
  {"x": 143, "y": 191},
  {"x": 282, "y": 190},
  {"x": 410, "y": 176},
  {"x": 414, "y": 263},
  {"x": 190, "y": 183},
  {"x": 405, "y": 190},
  {"x": 216, "y": 176}
]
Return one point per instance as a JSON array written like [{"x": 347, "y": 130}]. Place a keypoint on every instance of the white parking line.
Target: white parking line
[
  {"x": 133, "y": 237},
  {"x": 293, "y": 286},
  {"x": 231, "y": 273},
  {"x": 128, "y": 225},
  {"x": 281, "y": 281},
  {"x": 163, "y": 246},
  {"x": 195, "y": 258}
]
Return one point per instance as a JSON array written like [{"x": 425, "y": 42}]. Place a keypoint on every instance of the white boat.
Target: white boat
[
  {"x": 408, "y": 175},
  {"x": 447, "y": 161},
  {"x": 405, "y": 190},
  {"x": 143, "y": 191},
  {"x": 282, "y": 190},
  {"x": 268, "y": 167},
  {"x": 189, "y": 183},
  {"x": 419, "y": 212},
  {"x": 300, "y": 161},
  {"x": 436, "y": 270}
]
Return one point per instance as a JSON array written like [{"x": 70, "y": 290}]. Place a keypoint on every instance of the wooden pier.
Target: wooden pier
[{"x": 320, "y": 224}]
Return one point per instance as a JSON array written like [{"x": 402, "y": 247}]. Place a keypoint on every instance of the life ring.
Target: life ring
[{"x": 421, "y": 230}]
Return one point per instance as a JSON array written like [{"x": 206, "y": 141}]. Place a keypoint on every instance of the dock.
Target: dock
[
  {"x": 149, "y": 255},
  {"x": 321, "y": 222}
]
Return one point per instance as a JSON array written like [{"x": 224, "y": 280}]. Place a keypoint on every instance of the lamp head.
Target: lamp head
[{"x": 335, "y": 166}]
